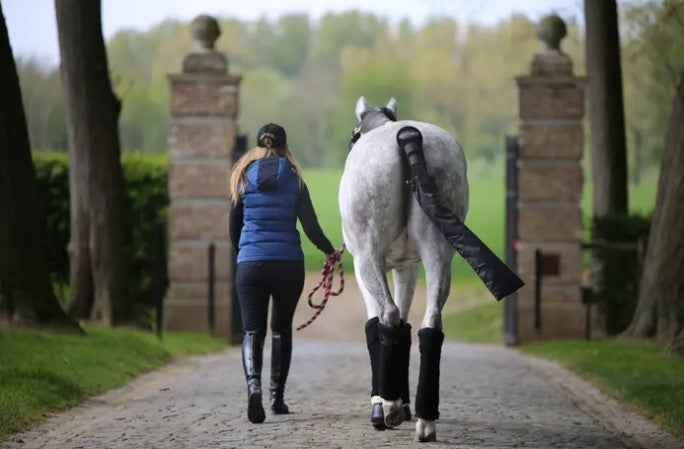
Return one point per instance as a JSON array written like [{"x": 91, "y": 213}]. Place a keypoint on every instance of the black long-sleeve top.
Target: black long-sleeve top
[{"x": 305, "y": 213}]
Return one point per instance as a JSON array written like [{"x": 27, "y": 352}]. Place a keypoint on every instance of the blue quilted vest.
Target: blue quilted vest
[{"x": 270, "y": 212}]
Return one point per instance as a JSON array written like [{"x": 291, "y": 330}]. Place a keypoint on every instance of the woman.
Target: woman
[{"x": 268, "y": 195}]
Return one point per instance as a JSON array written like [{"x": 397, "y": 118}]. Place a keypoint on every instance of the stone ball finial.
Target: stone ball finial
[
  {"x": 551, "y": 30},
  {"x": 551, "y": 61},
  {"x": 205, "y": 29},
  {"x": 204, "y": 58}
]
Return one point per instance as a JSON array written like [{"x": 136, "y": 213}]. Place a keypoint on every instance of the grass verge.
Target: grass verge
[
  {"x": 478, "y": 323},
  {"x": 41, "y": 373},
  {"x": 471, "y": 314},
  {"x": 639, "y": 373}
]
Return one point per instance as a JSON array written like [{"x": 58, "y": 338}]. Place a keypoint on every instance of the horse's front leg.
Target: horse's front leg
[
  {"x": 404, "y": 279},
  {"x": 383, "y": 336}
]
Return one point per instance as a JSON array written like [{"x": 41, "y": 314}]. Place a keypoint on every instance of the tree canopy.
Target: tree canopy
[{"x": 307, "y": 75}]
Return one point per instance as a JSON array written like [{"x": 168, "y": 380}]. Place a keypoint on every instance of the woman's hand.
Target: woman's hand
[{"x": 332, "y": 257}]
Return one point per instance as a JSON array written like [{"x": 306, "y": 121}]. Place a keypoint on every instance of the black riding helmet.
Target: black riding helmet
[{"x": 272, "y": 136}]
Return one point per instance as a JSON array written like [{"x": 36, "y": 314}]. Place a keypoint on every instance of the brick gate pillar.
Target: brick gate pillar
[
  {"x": 203, "y": 132},
  {"x": 551, "y": 108}
]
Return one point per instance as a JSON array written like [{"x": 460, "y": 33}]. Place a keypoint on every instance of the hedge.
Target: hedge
[
  {"x": 146, "y": 202},
  {"x": 619, "y": 271}
]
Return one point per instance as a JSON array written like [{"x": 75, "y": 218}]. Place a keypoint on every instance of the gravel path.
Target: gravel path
[{"x": 490, "y": 398}]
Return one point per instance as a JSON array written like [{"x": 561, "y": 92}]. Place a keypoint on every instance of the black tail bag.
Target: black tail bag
[{"x": 496, "y": 275}]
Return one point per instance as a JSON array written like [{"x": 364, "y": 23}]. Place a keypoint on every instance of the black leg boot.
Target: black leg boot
[
  {"x": 390, "y": 381},
  {"x": 427, "y": 397},
  {"x": 373, "y": 343},
  {"x": 405, "y": 349},
  {"x": 281, "y": 354},
  {"x": 252, "y": 351}
]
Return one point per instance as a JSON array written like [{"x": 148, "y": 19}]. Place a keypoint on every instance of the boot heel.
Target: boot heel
[
  {"x": 255, "y": 409},
  {"x": 278, "y": 406}
]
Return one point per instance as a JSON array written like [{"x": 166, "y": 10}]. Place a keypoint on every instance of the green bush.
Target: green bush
[
  {"x": 145, "y": 210},
  {"x": 52, "y": 176},
  {"x": 617, "y": 287}
]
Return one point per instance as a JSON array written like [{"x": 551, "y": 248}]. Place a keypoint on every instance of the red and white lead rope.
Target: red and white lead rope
[{"x": 327, "y": 274}]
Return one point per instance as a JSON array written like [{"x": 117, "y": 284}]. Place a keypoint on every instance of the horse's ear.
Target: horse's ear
[
  {"x": 392, "y": 105},
  {"x": 361, "y": 106}
]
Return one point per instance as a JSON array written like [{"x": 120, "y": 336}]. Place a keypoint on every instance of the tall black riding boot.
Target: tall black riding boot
[
  {"x": 427, "y": 397},
  {"x": 281, "y": 354},
  {"x": 373, "y": 344},
  {"x": 252, "y": 351},
  {"x": 405, "y": 355},
  {"x": 390, "y": 380}
]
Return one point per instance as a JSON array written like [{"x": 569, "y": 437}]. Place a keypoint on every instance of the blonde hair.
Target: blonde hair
[{"x": 238, "y": 177}]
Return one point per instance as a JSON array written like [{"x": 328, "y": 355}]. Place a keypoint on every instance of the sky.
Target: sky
[{"x": 33, "y": 31}]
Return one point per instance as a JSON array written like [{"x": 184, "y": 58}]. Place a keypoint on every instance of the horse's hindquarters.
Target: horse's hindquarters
[{"x": 371, "y": 197}]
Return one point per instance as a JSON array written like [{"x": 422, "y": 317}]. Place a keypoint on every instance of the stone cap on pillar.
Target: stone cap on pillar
[
  {"x": 204, "y": 58},
  {"x": 551, "y": 61}
]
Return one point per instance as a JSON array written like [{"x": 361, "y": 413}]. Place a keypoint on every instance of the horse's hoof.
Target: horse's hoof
[
  {"x": 426, "y": 431},
  {"x": 394, "y": 413},
  {"x": 407, "y": 412},
  {"x": 431, "y": 437},
  {"x": 377, "y": 417},
  {"x": 379, "y": 425}
]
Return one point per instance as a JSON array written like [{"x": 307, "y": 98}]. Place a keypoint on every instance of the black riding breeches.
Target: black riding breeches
[{"x": 256, "y": 282}]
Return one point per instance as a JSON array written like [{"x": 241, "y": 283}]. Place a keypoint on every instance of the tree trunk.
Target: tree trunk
[
  {"x": 96, "y": 183},
  {"x": 608, "y": 149},
  {"x": 660, "y": 311},
  {"x": 26, "y": 296},
  {"x": 80, "y": 275}
]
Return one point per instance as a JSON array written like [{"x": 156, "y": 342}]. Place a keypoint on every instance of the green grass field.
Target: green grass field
[
  {"x": 485, "y": 215},
  {"x": 476, "y": 323},
  {"x": 637, "y": 372},
  {"x": 41, "y": 373}
]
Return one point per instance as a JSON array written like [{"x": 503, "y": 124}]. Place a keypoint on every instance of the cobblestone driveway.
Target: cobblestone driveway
[{"x": 490, "y": 399}]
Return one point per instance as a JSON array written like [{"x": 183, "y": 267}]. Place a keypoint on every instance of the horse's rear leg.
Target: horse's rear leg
[
  {"x": 431, "y": 337},
  {"x": 404, "y": 279},
  {"x": 383, "y": 335}
]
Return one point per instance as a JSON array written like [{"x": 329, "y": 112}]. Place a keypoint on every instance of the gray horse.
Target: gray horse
[{"x": 385, "y": 229}]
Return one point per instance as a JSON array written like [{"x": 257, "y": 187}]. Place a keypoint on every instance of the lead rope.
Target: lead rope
[{"x": 327, "y": 274}]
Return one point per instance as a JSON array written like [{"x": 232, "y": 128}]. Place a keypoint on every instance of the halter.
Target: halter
[{"x": 371, "y": 118}]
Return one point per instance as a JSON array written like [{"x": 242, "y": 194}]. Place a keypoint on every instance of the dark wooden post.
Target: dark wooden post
[{"x": 511, "y": 303}]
